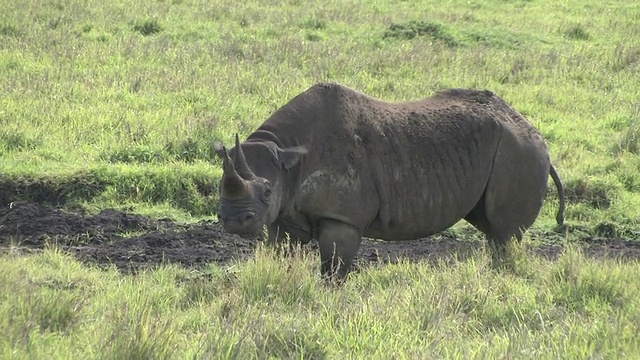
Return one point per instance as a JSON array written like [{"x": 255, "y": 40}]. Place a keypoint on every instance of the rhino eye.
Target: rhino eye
[{"x": 267, "y": 187}]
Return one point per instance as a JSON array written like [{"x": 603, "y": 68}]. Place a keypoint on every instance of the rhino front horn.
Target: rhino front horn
[
  {"x": 232, "y": 183},
  {"x": 241, "y": 162}
]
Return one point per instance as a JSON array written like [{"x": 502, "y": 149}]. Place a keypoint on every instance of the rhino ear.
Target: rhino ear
[
  {"x": 289, "y": 157},
  {"x": 219, "y": 150}
]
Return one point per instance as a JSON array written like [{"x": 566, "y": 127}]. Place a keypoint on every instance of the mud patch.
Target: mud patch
[{"x": 132, "y": 242}]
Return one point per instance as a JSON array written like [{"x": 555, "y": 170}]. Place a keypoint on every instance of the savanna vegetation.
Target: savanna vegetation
[{"x": 117, "y": 104}]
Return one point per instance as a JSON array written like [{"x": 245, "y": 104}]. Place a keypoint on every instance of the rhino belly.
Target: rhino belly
[
  {"x": 415, "y": 227},
  {"x": 408, "y": 214}
]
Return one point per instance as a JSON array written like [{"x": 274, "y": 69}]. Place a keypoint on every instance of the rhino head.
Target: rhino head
[{"x": 252, "y": 186}]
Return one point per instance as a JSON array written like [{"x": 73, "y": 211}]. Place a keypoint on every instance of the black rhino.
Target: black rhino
[{"x": 334, "y": 164}]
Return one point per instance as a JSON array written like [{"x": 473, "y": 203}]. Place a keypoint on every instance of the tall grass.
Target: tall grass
[{"x": 575, "y": 307}]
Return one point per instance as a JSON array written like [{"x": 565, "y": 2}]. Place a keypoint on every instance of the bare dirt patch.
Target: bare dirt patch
[{"x": 132, "y": 242}]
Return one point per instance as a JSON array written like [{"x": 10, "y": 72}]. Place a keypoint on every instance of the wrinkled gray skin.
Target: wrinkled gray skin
[{"x": 335, "y": 165}]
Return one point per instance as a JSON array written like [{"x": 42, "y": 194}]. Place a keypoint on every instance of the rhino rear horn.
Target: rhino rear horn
[
  {"x": 241, "y": 162},
  {"x": 232, "y": 183}
]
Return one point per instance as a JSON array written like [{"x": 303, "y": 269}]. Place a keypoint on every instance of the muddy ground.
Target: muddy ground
[{"x": 133, "y": 242}]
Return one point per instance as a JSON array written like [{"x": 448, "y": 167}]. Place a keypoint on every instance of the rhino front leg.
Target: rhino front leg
[
  {"x": 338, "y": 242},
  {"x": 277, "y": 239},
  {"x": 275, "y": 236}
]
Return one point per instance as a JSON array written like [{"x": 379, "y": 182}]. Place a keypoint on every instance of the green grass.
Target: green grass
[
  {"x": 118, "y": 103},
  {"x": 270, "y": 307},
  {"x": 102, "y": 96}
]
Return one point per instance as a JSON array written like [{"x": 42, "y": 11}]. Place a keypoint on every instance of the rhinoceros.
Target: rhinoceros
[{"x": 336, "y": 165}]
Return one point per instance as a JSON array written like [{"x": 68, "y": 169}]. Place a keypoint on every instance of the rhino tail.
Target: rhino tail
[{"x": 556, "y": 180}]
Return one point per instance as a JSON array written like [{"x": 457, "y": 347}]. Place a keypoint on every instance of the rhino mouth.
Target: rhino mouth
[{"x": 248, "y": 224}]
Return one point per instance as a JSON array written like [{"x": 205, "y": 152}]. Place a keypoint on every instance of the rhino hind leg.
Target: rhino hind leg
[
  {"x": 478, "y": 218},
  {"x": 512, "y": 199},
  {"x": 338, "y": 242}
]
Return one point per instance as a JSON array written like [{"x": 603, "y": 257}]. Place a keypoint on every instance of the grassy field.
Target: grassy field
[
  {"x": 117, "y": 104},
  {"x": 573, "y": 308}
]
